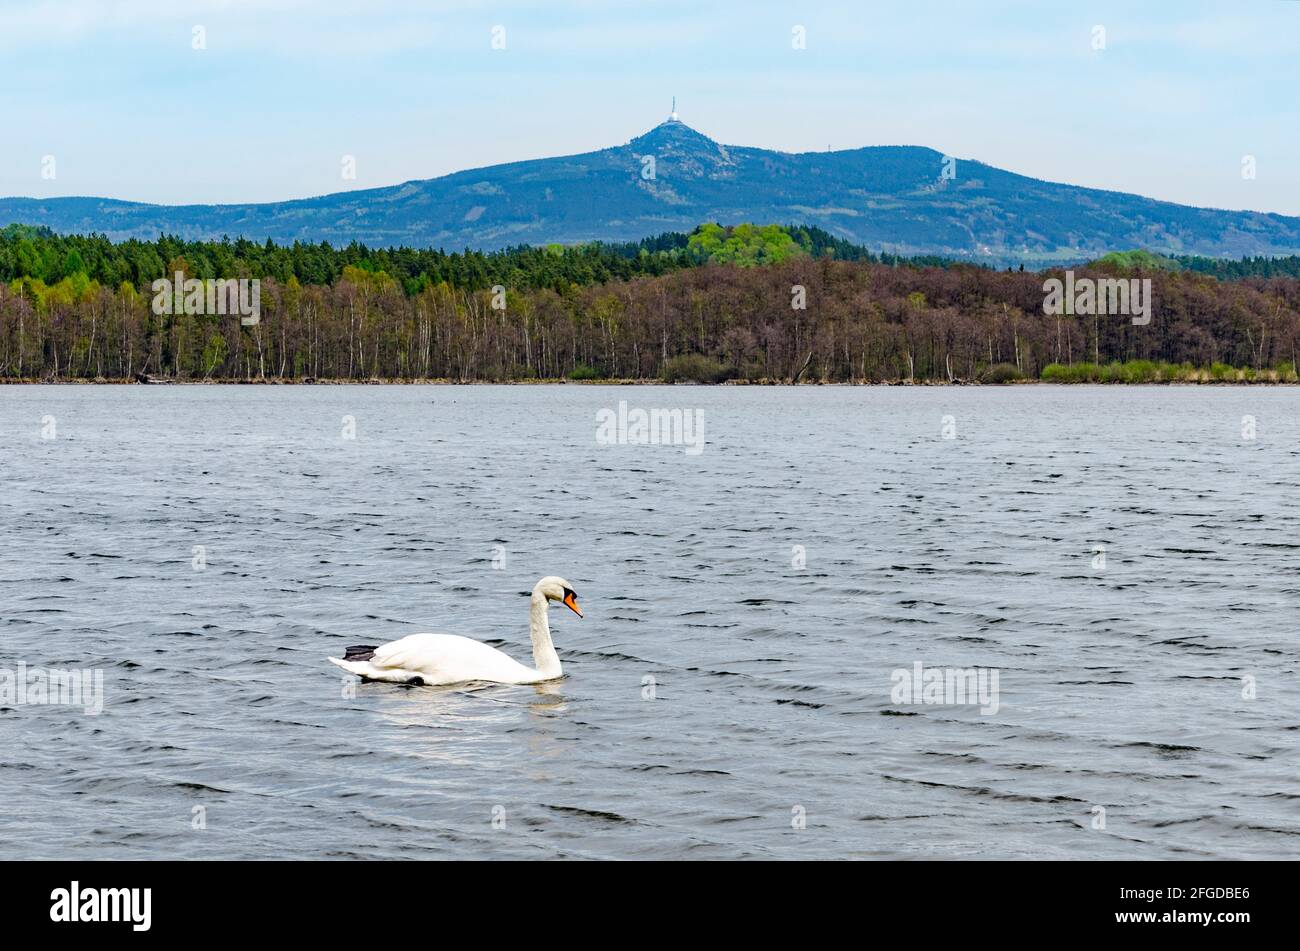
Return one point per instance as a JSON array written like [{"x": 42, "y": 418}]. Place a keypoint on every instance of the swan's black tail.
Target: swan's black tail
[{"x": 359, "y": 652}]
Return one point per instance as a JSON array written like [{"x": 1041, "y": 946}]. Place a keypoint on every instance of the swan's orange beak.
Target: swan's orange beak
[{"x": 571, "y": 602}]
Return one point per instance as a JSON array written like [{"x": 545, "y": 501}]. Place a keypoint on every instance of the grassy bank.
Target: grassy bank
[{"x": 1149, "y": 371}]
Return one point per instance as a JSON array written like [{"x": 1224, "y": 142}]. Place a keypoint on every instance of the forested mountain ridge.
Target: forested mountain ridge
[{"x": 892, "y": 198}]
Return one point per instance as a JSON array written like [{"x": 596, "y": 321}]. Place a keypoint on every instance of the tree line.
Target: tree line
[{"x": 800, "y": 317}]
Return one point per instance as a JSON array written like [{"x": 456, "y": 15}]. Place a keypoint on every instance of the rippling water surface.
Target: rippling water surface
[{"x": 719, "y": 701}]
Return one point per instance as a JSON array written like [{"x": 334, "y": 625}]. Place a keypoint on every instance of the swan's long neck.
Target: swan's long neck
[{"x": 545, "y": 659}]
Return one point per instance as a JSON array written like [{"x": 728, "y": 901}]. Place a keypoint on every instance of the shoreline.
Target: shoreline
[{"x": 269, "y": 381}]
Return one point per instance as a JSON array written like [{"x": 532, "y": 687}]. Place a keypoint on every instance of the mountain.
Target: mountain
[{"x": 890, "y": 197}]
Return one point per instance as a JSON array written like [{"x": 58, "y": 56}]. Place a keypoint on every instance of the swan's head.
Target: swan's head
[{"x": 557, "y": 589}]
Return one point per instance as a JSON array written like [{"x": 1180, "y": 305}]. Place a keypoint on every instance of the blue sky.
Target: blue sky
[{"x": 285, "y": 88}]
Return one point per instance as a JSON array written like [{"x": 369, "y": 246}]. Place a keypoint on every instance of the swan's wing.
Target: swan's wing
[
  {"x": 414, "y": 651},
  {"x": 448, "y": 658}
]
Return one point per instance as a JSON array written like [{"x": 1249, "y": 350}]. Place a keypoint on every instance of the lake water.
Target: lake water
[{"x": 747, "y": 606}]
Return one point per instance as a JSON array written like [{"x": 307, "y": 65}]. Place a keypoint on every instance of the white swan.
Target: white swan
[{"x": 435, "y": 659}]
